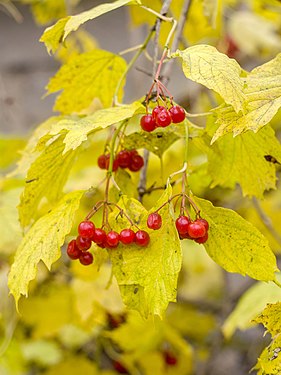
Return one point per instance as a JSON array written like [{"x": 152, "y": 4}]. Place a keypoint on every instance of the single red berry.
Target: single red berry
[
  {"x": 185, "y": 236},
  {"x": 142, "y": 238},
  {"x": 202, "y": 239},
  {"x": 157, "y": 110},
  {"x": 124, "y": 158},
  {"x": 99, "y": 236},
  {"x": 102, "y": 161},
  {"x": 119, "y": 367},
  {"x": 136, "y": 163},
  {"x": 177, "y": 114},
  {"x": 86, "y": 229},
  {"x": 112, "y": 239},
  {"x": 133, "y": 153},
  {"x": 127, "y": 236},
  {"x": 170, "y": 359},
  {"x": 148, "y": 123},
  {"x": 83, "y": 243},
  {"x": 72, "y": 250},
  {"x": 107, "y": 163},
  {"x": 196, "y": 229},
  {"x": 205, "y": 222},
  {"x": 182, "y": 225},
  {"x": 163, "y": 118},
  {"x": 154, "y": 221},
  {"x": 86, "y": 258}
]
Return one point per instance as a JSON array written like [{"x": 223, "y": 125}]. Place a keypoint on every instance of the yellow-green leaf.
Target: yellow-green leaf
[
  {"x": 43, "y": 352},
  {"x": 250, "y": 305},
  {"x": 269, "y": 362},
  {"x": 263, "y": 99},
  {"x": 91, "y": 75},
  {"x": 42, "y": 242},
  {"x": 78, "y": 129},
  {"x": 205, "y": 65},
  {"x": 236, "y": 245},
  {"x": 271, "y": 317},
  {"x": 147, "y": 276},
  {"x": 9, "y": 150},
  {"x": 46, "y": 11},
  {"x": 58, "y": 32},
  {"x": 45, "y": 178}
]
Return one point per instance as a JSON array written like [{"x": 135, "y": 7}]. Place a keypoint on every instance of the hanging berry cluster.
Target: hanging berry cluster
[
  {"x": 124, "y": 159},
  {"x": 161, "y": 117}
]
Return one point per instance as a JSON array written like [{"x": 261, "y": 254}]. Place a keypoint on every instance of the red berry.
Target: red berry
[
  {"x": 163, "y": 118},
  {"x": 185, "y": 236},
  {"x": 86, "y": 229},
  {"x": 148, "y": 123},
  {"x": 72, "y": 250},
  {"x": 136, "y": 163},
  {"x": 196, "y": 229},
  {"x": 133, "y": 153},
  {"x": 154, "y": 221},
  {"x": 157, "y": 110},
  {"x": 107, "y": 163},
  {"x": 142, "y": 238},
  {"x": 112, "y": 239},
  {"x": 83, "y": 243},
  {"x": 205, "y": 222},
  {"x": 177, "y": 114},
  {"x": 99, "y": 236},
  {"x": 170, "y": 359},
  {"x": 182, "y": 223},
  {"x": 86, "y": 258},
  {"x": 202, "y": 239},
  {"x": 102, "y": 162},
  {"x": 119, "y": 367},
  {"x": 124, "y": 158},
  {"x": 127, "y": 236}
]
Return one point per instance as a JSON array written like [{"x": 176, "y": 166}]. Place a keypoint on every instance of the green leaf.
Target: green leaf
[
  {"x": 45, "y": 178},
  {"x": 269, "y": 362},
  {"x": 147, "y": 277},
  {"x": 42, "y": 242},
  {"x": 157, "y": 142},
  {"x": 205, "y": 65},
  {"x": 78, "y": 129},
  {"x": 242, "y": 160},
  {"x": 85, "y": 77},
  {"x": 236, "y": 245},
  {"x": 250, "y": 305},
  {"x": 271, "y": 317},
  {"x": 58, "y": 32},
  {"x": 263, "y": 99}
]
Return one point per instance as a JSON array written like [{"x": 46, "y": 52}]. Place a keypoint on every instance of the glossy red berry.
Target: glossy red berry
[
  {"x": 72, "y": 250},
  {"x": 99, "y": 236},
  {"x": 202, "y": 239},
  {"x": 107, "y": 163},
  {"x": 170, "y": 359},
  {"x": 102, "y": 161},
  {"x": 177, "y": 114},
  {"x": 133, "y": 153},
  {"x": 163, "y": 118},
  {"x": 148, "y": 123},
  {"x": 86, "y": 258},
  {"x": 182, "y": 223},
  {"x": 142, "y": 238},
  {"x": 119, "y": 367},
  {"x": 127, "y": 236},
  {"x": 154, "y": 221},
  {"x": 124, "y": 158},
  {"x": 86, "y": 229},
  {"x": 205, "y": 222},
  {"x": 157, "y": 110},
  {"x": 112, "y": 239},
  {"x": 136, "y": 163},
  {"x": 196, "y": 229},
  {"x": 83, "y": 244}
]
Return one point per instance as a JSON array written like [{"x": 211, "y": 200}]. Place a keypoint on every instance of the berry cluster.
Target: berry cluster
[
  {"x": 194, "y": 230},
  {"x": 124, "y": 159},
  {"x": 88, "y": 233},
  {"x": 162, "y": 117}
]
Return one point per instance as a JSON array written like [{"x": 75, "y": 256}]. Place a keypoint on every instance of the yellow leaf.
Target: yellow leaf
[
  {"x": 263, "y": 99},
  {"x": 9, "y": 150},
  {"x": 42, "y": 352},
  {"x": 236, "y": 245},
  {"x": 73, "y": 366},
  {"x": 85, "y": 77},
  {"x": 211, "y": 11},
  {"x": 271, "y": 318},
  {"x": 52, "y": 36},
  {"x": 46, "y": 11},
  {"x": 205, "y": 65},
  {"x": 269, "y": 363},
  {"x": 42, "y": 242}
]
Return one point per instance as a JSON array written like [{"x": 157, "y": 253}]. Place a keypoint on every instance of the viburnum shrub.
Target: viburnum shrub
[{"x": 159, "y": 197}]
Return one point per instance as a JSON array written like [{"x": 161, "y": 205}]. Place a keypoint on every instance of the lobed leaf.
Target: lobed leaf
[
  {"x": 271, "y": 317},
  {"x": 42, "y": 242},
  {"x": 270, "y": 360}
]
